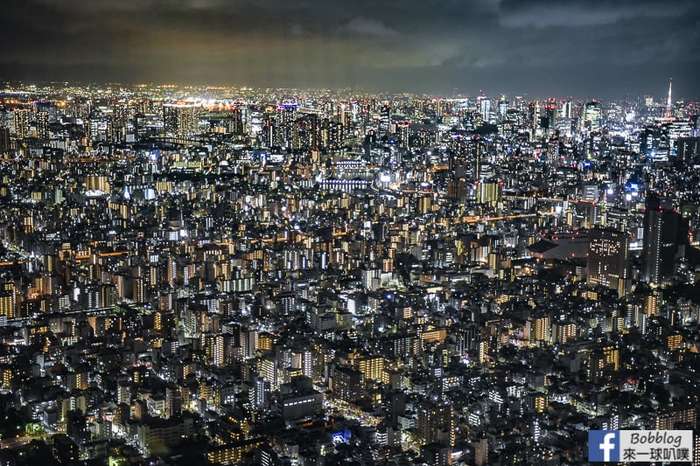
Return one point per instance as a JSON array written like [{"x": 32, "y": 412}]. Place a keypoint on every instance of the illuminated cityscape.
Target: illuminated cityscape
[
  {"x": 233, "y": 272},
  {"x": 316, "y": 276}
]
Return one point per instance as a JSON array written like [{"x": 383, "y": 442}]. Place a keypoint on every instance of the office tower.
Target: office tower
[
  {"x": 592, "y": 116},
  {"x": 277, "y": 126},
  {"x": 607, "y": 259},
  {"x": 665, "y": 232},
  {"x": 386, "y": 118},
  {"x": 566, "y": 109},
  {"x": 651, "y": 252},
  {"x": 402, "y": 130},
  {"x": 534, "y": 114},
  {"x": 485, "y": 108},
  {"x": 674, "y": 131},
  {"x": 502, "y": 107}
]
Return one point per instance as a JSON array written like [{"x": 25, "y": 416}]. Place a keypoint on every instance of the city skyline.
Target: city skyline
[{"x": 664, "y": 96}]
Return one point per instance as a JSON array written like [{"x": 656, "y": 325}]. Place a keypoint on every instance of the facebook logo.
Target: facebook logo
[{"x": 603, "y": 445}]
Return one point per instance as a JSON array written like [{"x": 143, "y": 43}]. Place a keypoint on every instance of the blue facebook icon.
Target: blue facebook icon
[{"x": 603, "y": 445}]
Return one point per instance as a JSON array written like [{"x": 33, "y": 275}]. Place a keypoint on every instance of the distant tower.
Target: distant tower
[{"x": 669, "y": 100}]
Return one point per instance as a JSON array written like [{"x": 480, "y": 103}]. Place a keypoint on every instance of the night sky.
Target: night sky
[{"x": 535, "y": 47}]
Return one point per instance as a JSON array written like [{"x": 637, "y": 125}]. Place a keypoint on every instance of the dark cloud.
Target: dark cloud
[
  {"x": 369, "y": 27},
  {"x": 516, "y": 46},
  {"x": 569, "y": 14}
]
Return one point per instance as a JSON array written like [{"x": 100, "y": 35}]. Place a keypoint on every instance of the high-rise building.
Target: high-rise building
[
  {"x": 215, "y": 348},
  {"x": 21, "y": 122},
  {"x": 260, "y": 393},
  {"x": 436, "y": 454},
  {"x": 180, "y": 120},
  {"x": 478, "y": 149},
  {"x": 607, "y": 259},
  {"x": 173, "y": 401},
  {"x": 669, "y": 100},
  {"x": 9, "y": 299},
  {"x": 488, "y": 192},
  {"x": 372, "y": 368},
  {"x": 592, "y": 116},
  {"x": 541, "y": 329},
  {"x": 386, "y": 118},
  {"x": 566, "y": 110},
  {"x": 42, "y": 125},
  {"x": 124, "y": 392},
  {"x": 436, "y": 423},
  {"x": 682, "y": 417},
  {"x": 687, "y": 148},
  {"x": 665, "y": 230},
  {"x": 485, "y": 108},
  {"x": 651, "y": 251},
  {"x": 4, "y": 140},
  {"x": 347, "y": 384}
]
